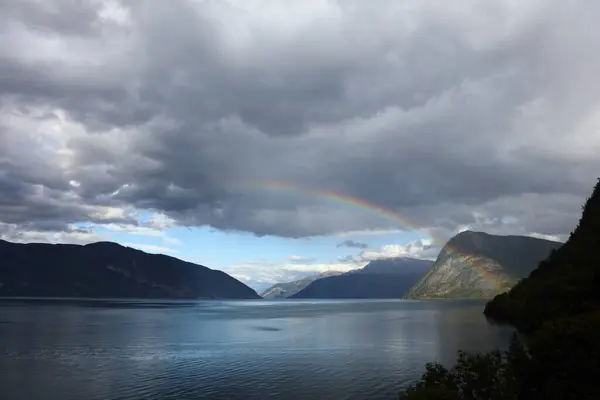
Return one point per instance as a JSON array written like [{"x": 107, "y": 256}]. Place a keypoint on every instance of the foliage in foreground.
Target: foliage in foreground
[
  {"x": 559, "y": 361},
  {"x": 491, "y": 376}
]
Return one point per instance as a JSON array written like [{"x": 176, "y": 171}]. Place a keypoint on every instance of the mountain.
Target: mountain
[
  {"x": 557, "y": 311},
  {"x": 557, "y": 307},
  {"x": 386, "y": 278},
  {"x": 287, "y": 289},
  {"x": 106, "y": 269},
  {"x": 480, "y": 265},
  {"x": 566, "y": 284}
]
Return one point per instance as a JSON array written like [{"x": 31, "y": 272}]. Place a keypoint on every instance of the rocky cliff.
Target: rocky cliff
[{"x": 480, "y": 265}]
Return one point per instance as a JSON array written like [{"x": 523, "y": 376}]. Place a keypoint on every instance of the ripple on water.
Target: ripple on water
[
  {"x": 266, "y": 328},
  {"x": 230, "y": 350}
]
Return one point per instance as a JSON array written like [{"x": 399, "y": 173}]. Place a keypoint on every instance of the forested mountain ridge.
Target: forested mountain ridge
[
  {"x": 567, "y": 283},
  {"x": 107, "y": 269}
]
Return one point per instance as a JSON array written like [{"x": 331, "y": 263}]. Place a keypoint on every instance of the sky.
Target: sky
[{"x": 275, "y": 139}]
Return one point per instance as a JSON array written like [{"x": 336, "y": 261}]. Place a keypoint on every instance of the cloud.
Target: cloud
[
  {"x": 258, "y": 273},
  {"x": 368, "y": 232},
  {"x": 71, "y": 234},
  {"x": 301, "y": 260},
  {"x": 421, "y": 248},
  {"x": 442, "y": 117},
  {"x": 352, "y": 244},
  {"x": 150, "y": 228},
  {"x": 150, "y": 248},
  {"x": 348, "y": 259}
]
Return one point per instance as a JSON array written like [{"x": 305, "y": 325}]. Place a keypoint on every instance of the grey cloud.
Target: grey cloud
[
  {"x": 352, "y": 244},
  {"x": 69, "y": 234},
  {"x": 185, "y": 104},
  {"x": 63, "y": 17}
]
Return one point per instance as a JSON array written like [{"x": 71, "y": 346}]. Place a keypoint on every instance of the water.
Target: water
[{"x": 123, "y": 349}]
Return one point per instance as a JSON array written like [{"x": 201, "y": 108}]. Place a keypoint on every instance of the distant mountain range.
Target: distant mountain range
[
  {"x": 106, "y": 269},
  {"x": 471, "y": 265},
  {"x": 287, "y": 289},
  {"x": 385, "y": 278},
  {"x": 480, "y": 265}
]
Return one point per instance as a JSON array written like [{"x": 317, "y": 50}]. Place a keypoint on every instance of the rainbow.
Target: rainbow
[{"x": 366, "y": 206}]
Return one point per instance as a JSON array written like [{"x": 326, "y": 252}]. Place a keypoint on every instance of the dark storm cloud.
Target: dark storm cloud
[
  {"x": 352, "y": 244},
  {"x": 473, "y": 114}
]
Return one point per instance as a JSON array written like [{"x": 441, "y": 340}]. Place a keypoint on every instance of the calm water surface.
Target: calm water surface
[{"x": 259, "y": 349}]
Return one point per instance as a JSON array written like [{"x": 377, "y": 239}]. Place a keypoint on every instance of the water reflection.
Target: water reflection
[{"x": 226, "y": 350}]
